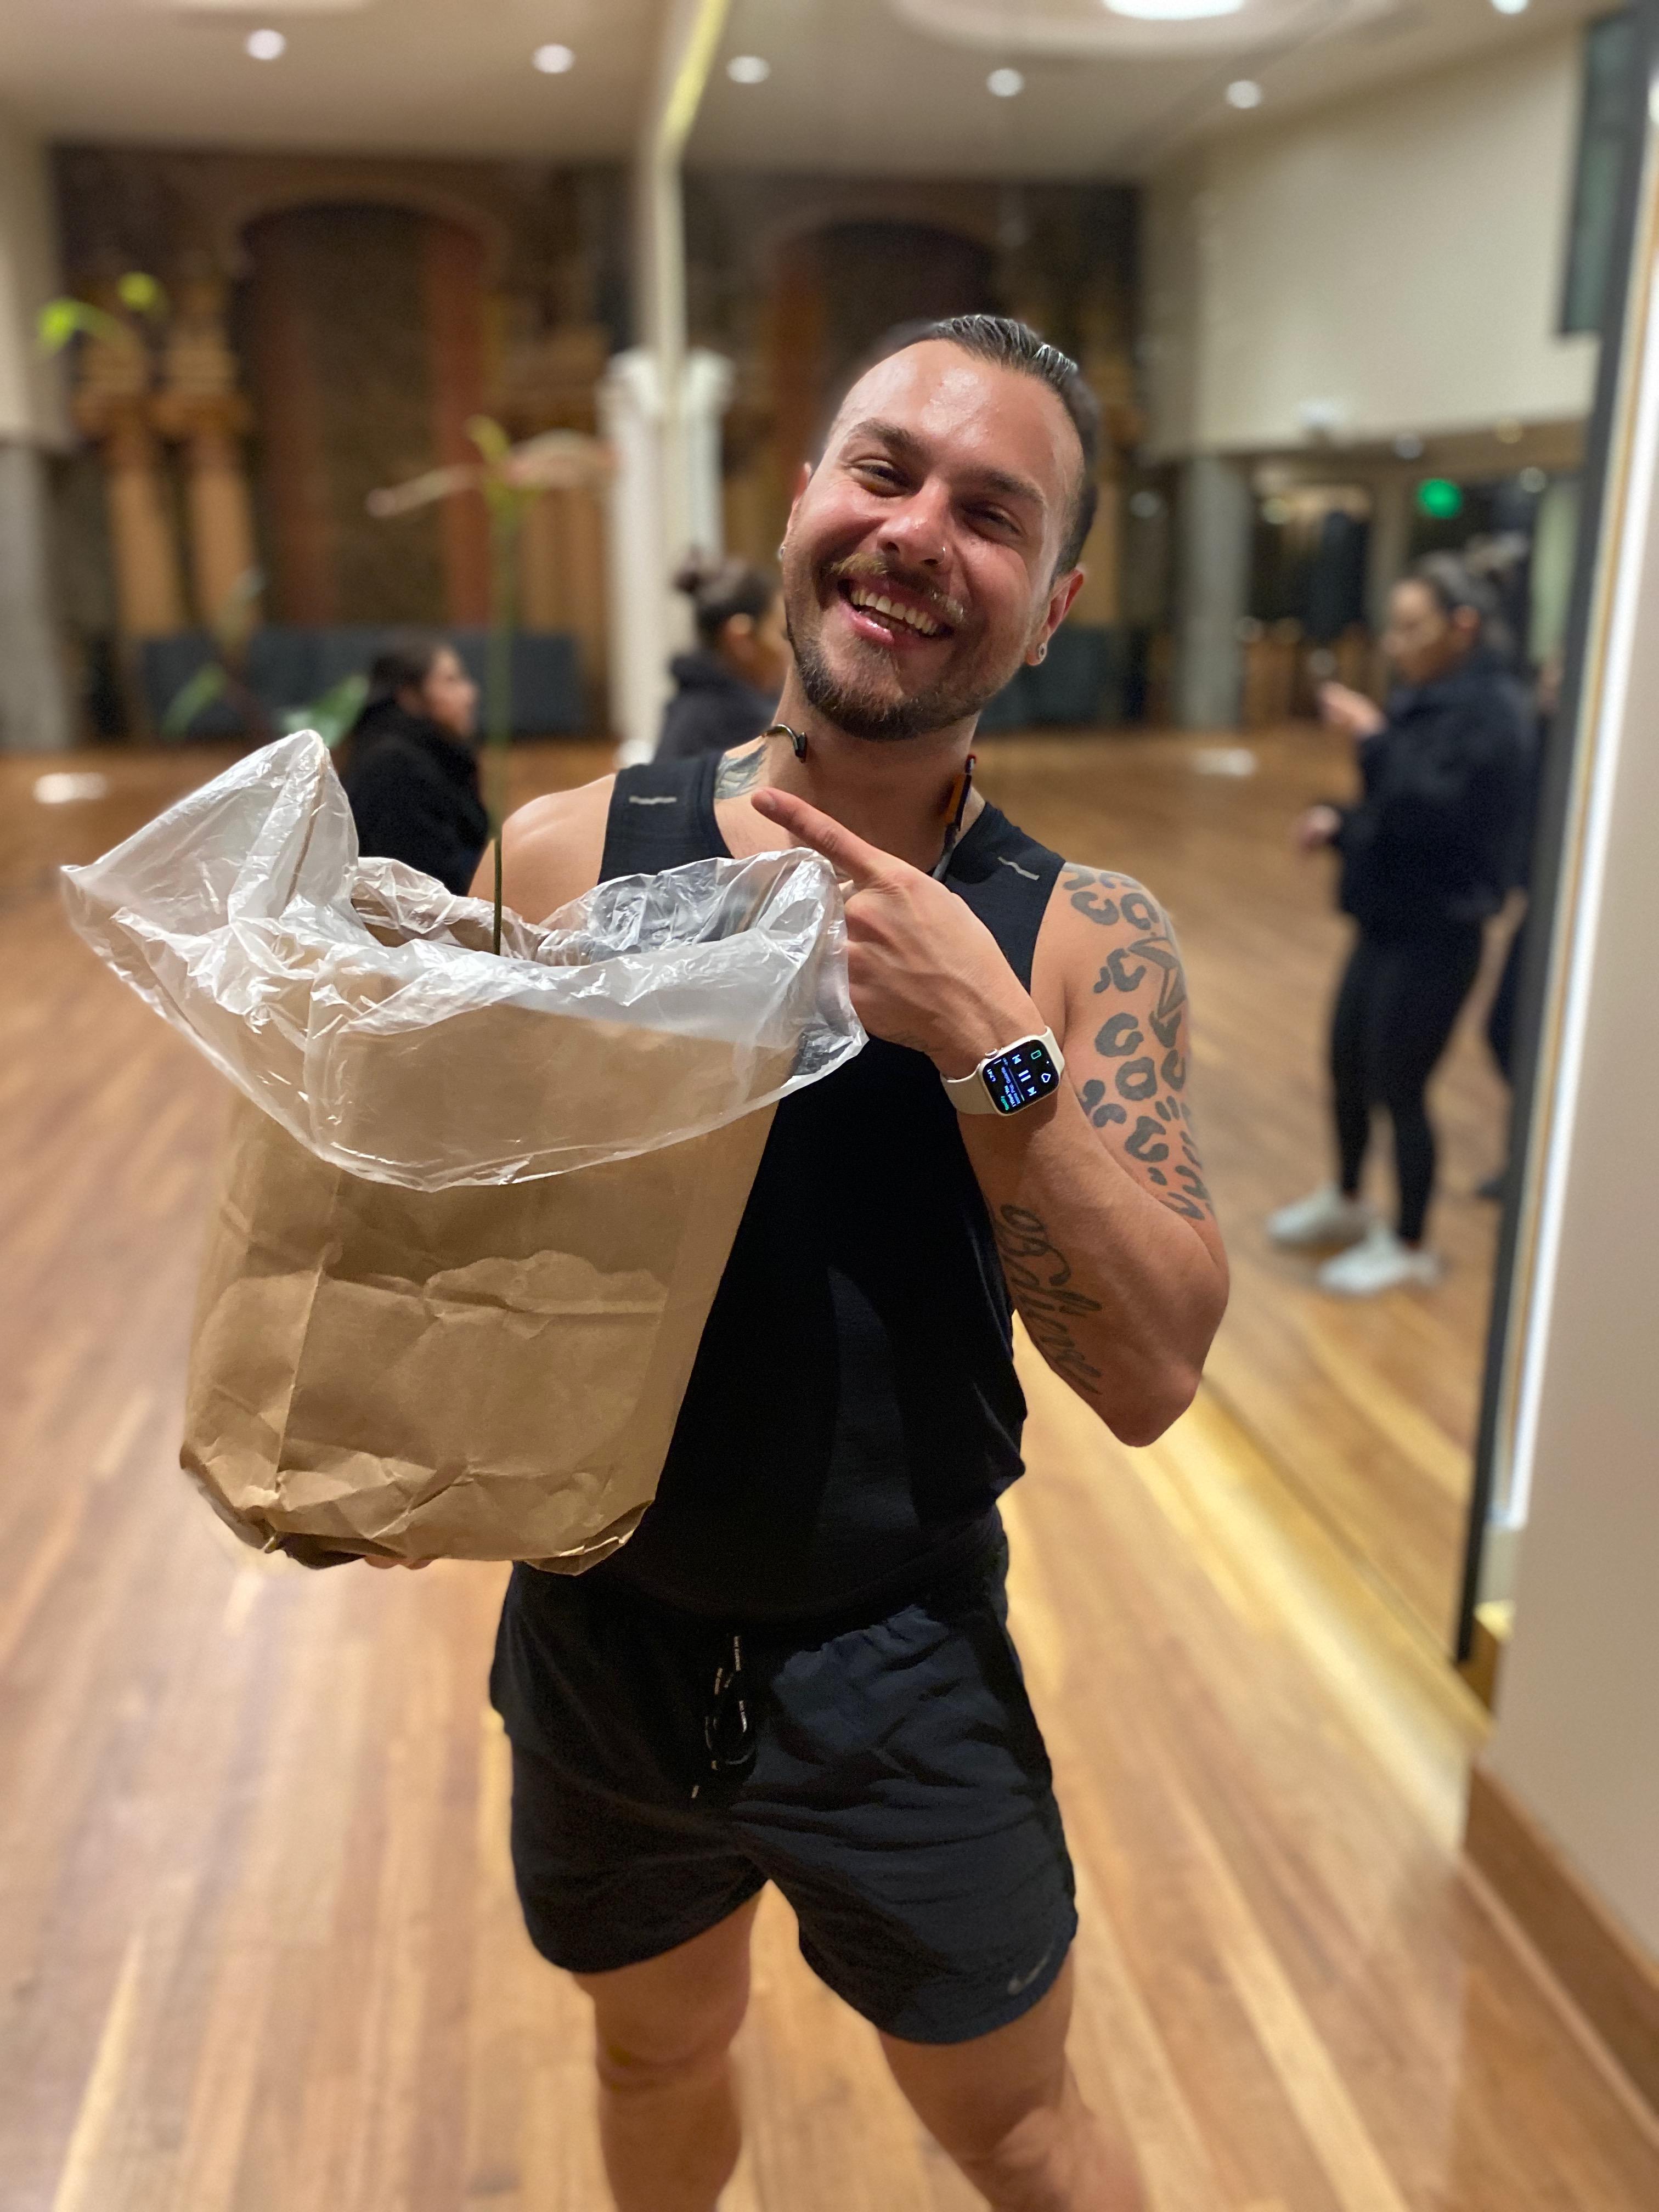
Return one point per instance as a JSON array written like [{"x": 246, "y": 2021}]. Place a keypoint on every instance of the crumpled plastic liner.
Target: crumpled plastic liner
[{"x": 358, "y": 1003}]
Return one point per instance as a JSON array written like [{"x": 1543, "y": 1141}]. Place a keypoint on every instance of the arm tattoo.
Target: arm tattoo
[
  {"x": 740, "y": 772},
  {"x": 1089, "y": 889},
  {"x": 1039, "y": 1279},
  {"x": 1148, "y": 1073}
]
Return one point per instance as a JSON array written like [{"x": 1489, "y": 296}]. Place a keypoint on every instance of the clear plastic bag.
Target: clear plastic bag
[{"x": 358, "y": 1003}]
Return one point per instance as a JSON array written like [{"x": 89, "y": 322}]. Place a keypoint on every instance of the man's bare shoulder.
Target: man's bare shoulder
[{"x": 552, "y": 850}]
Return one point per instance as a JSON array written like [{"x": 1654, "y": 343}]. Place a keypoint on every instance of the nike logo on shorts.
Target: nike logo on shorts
[
  {"x": 1031, "y": 876},
  {"x": 1024, "y": 1981}
]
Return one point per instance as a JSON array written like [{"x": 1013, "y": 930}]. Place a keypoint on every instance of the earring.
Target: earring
[
  {"x": 1042, "y": 650},
  {"x": 797, "y": 737}
]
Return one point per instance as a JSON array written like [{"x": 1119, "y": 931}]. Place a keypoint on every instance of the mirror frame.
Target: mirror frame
[{"x": 1558, "y": 851}]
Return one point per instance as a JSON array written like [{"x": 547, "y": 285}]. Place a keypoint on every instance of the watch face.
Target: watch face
[{"x": 1020, "y": 1076}]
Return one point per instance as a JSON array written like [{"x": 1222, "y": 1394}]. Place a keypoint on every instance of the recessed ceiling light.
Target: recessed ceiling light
[
  {"x": 1005, "y": 83},
  {"x": 265, "y": 45},
  {"x": 749, "y": 69},
  {"x": 1244, "y": 92},
  {"x": 1174, "y": 11},
  {"x": 554, "y": 60},
  {"x": 1511, "y": 6}
]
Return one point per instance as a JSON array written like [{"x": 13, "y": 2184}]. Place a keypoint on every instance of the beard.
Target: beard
[{"x": 868, "y": 706}]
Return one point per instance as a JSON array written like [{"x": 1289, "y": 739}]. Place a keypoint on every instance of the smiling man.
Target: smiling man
[{"x": 798, "y": 1670}]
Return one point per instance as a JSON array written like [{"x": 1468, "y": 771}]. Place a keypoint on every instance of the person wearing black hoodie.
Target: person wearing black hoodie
[
  {"x": 1426, "y": 858},
  {"x": 728, "y": 688},
  {"x": 410, "y": 766}
]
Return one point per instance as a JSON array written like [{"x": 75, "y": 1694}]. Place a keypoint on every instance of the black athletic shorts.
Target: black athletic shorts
[{"x": 892, "y": 1781}]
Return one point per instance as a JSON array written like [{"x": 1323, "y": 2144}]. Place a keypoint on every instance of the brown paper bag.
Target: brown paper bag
[{"x": 487, "y": 1372}]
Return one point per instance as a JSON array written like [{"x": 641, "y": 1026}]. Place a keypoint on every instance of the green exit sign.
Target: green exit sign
[{"x": 1440, "y": 497}]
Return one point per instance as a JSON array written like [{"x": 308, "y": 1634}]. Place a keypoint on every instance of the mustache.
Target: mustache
[{"x": 872, "y": 568}]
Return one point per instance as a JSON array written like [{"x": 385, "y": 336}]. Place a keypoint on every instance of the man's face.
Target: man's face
[{"x": 919, "y": 564}]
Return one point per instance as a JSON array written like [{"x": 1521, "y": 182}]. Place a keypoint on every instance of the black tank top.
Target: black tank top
[{"x": 854, "y": 1410}]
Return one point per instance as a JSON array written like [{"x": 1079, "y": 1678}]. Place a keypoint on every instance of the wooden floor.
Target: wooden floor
[{"x": 259, "y": 1948}]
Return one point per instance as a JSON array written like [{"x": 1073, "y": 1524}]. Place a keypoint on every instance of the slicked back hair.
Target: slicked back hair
[{"x": 1010, "y": 344}]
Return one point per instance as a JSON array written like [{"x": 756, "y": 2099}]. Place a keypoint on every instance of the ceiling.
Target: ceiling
[
  {"x": 435, "y": 76},
  {"x": 899, "y": 86},
  {"x": 877, "y": 87}
]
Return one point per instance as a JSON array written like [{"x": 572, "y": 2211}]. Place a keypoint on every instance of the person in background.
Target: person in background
[
  {"x": 410, "y": 764},
  {"x": 728, "y": 688},
  {"x": 1500, "y": 1019},
  {"x": 1426, "y": 857}
]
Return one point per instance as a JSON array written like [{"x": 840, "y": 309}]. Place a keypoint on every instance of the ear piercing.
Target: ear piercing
[{"x": 797, "y": 737}]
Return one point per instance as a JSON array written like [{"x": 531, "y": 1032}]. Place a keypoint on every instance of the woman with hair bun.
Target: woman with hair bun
[
  {"x": 728, "y": 688},
  {"x": 1427, "y": 856}
]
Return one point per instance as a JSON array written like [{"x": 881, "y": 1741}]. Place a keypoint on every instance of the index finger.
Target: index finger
[{"x": 849, "y": 856}]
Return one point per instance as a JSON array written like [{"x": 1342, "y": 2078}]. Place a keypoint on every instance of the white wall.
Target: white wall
[
  {"x": 31, "y": 405},
  {"x": 1400, "y": 255},
  {"x": 1578, "y": 1734}
]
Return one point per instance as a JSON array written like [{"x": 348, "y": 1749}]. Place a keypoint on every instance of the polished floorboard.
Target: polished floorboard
[{"x": 259, "y": 1947}]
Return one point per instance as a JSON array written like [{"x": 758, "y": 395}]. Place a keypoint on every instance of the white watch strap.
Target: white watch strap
[{"x": 968, "y": 1093}]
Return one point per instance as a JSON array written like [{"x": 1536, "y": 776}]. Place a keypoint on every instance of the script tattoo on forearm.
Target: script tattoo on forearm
[
  {"x": 1148, "y": 1073},
  {"x": 739, "y": 772},
  {"x": 1039, "y": 1278}
]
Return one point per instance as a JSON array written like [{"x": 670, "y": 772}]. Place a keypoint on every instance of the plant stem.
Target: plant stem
[{"x": 504, "y": 518}]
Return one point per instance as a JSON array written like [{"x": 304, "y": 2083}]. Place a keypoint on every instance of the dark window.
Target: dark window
[{"x": 1610, "y": 54}]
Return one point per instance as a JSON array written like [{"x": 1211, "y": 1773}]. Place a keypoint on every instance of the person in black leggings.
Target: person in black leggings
[{"x": 1426, "y": 857}]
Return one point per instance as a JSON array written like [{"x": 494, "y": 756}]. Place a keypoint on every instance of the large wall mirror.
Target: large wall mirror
[{"x": 1350, "y": 278}]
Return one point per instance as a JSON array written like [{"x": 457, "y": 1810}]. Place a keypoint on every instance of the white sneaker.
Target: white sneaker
[
  {"x": 1324, "y": 1216},
  {"x": 1378, "y": 1262}
]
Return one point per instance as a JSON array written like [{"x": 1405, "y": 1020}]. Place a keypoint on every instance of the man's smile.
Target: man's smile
[{"x": 898, "y": 617}]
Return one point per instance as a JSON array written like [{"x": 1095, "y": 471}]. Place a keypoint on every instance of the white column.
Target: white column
[
  {"x": 706, "y": 394},
  {"x": 35, "y": 710},
  {"x": 1388, "y": 543},
  {"x": 648, "y": 483},
  {"x": 630, "y": 421},
  {"x": 1212, "y": 582},
  {"x": 691, "y": 36}
]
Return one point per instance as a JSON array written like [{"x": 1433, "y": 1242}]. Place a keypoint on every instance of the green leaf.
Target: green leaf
[
  {"x": 331, "y": 715},
  {"x": 143, "y": 295},
  {"x": 203, "y": 688},
  {"x": 489, "y": 437},
  {"x": 58, "y": 323}
]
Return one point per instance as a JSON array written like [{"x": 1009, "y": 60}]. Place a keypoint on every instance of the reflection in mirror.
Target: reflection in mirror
[{"x": 1338, "y": 276}]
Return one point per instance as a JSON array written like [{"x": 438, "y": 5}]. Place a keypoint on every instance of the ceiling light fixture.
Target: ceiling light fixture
[
  {"x": 1175, "y": 11},
  {"x": 1244, "y": 92},
  {"x": 1511, "y": 6},
  {"x": 554, "y": 60},
  {"x": 749, "y": 69},
  {"x": 1005, "y": 83},
  {"x": 265, "y": 45}
]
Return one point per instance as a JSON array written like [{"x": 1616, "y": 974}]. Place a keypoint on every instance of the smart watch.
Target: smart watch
[{"x": 1005, "y": 1082}]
